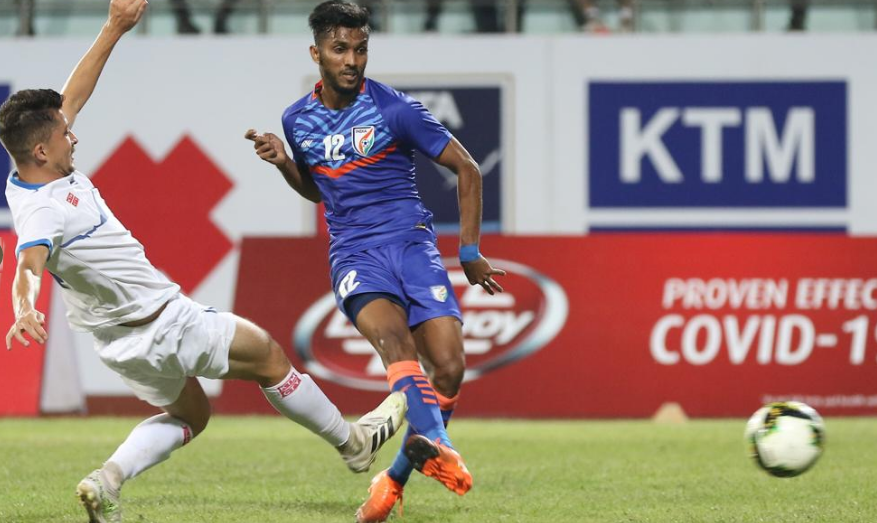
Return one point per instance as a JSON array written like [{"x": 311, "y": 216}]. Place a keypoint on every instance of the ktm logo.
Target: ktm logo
[{"x": 497, "y": 330}]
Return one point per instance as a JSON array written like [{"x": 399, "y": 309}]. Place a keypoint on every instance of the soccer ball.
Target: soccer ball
[{"x": 785, "y": 438}]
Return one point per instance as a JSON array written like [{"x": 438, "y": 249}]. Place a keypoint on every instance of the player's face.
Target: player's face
[
  {"x": 59, "y": 149},
  {"x": 342, "y": 56}
]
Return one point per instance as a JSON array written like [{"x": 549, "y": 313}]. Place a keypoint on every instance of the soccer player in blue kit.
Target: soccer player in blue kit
[{"x": 353, "y": 141}]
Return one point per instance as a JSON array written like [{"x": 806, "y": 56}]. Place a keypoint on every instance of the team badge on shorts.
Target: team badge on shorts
[
  {"x": 363, "y": 139},
  {"x": 439, "y": 292}
]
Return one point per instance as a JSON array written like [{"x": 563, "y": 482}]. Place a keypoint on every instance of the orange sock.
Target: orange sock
[{"x": 423, "y": 402}]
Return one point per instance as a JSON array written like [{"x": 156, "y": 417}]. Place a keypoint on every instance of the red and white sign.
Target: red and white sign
[
  {"x": 497, "y": 330},
  {"x": 718, "y": 323},
  {"x": 155, "y": 201},
  {"x": 21, "y": 369}
]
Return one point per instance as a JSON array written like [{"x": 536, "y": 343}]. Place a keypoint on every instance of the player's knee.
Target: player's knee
[
  {"x": 276, "y": 364},
  {"x": 199, "y": 423},
  {"x": 448, "y": 376},
  {"x": 271, "y": 366},
  {"x": 276, "y": 354},
  {"x": 256, "y": 356},
  {"x": 200, "y": 415},
  {"x": 192, "y": 408}
]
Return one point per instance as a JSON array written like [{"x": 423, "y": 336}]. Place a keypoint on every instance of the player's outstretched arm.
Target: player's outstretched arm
[
  {"x": 25, "y": 290},
  {"x": 271, "y": 149},
  {"x": 124, "y": 14},
  {"x": 478, "y": 270}
]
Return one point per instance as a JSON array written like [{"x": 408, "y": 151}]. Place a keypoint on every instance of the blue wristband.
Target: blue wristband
[{"x": 469, "y": 253}]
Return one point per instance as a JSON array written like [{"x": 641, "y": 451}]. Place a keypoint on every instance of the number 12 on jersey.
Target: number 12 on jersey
[{"x": 333, "y": 145}]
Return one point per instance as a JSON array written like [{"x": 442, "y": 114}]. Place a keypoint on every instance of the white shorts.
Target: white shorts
[{"x": 156, "y": 359}]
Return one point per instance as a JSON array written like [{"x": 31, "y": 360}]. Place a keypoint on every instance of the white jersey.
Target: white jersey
[{"x": 104, "y": 275}]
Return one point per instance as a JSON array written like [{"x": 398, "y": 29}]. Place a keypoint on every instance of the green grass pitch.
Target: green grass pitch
[{"x": 265, "y": 469}]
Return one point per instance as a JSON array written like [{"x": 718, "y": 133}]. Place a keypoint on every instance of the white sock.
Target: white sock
[
  {"x": 149, "y": 444},
  {"x": 300, "y": 399}
]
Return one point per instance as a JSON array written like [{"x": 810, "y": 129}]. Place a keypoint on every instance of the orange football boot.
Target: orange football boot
[
  {"x": 382, "y": 496},
  {"x": 439, "y": 462}
]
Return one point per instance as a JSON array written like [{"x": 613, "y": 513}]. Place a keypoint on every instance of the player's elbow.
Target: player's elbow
[
  {"x": 469, "y": 172},
  {"x": 32, "y": 261},
  {"x": 313, "y": 196},
  {"x": 473, "y": 167}
]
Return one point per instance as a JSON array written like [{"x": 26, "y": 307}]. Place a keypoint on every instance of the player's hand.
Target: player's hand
[
  {"x": 124, "y": 14},
  {"x": 33, "y": 324},
  {"x": 268, "y": 146},
  {"x": 481, "y": 273}
]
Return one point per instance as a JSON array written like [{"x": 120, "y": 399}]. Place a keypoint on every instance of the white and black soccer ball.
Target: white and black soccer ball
[{"x": 785, "y": 438}]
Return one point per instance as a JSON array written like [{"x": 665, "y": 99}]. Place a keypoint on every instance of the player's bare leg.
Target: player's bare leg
[
  {"x": 440, "y": 347},
  {"x": 255, "y": 356},
  {"x": 150, "y": 443},
  {"x": 384, "y": 324},
  {"x": 439, "y": 344}
]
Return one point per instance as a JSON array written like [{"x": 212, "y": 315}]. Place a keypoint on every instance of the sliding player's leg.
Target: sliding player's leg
[
  {"x": 150, "y": 443},
  {"x": 255, "y": 356}
]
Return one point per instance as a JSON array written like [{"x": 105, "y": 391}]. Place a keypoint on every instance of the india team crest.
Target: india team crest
[
  {"x": 439, "y": 292},
  {"x": 363, "y": 139}
]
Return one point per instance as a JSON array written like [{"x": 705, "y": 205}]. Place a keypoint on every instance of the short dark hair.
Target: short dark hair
[
  {"x": 330, "y": 15},
  {"x": 27, "y": 118}
]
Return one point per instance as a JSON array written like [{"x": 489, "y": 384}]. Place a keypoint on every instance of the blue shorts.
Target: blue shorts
[{"x": 411, "y": 271}]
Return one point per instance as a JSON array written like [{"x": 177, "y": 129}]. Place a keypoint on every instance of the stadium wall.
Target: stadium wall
[{"x": 767, "y": 136}]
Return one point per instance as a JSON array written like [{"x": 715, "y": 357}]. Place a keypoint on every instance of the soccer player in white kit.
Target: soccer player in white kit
[{"x": 156, "y": 338}]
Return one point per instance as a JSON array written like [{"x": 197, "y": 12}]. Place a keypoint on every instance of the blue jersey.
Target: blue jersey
[{"x": 362, "y": 159}]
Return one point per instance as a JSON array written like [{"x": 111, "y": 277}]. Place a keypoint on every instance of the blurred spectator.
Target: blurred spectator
[
  {"x": 433, "y": 10},
  {"x": 587, "y": 14},
  {"x": 25, "y": 17},
  {"x": 183, "y": 14},
  {"x": 486, "y": 14},
  {"x": 226, "y": 8},
  {"x": 374, "y": 21},
  {"x": 798, "y": 20},
  {"x": 488, "y": 18}
]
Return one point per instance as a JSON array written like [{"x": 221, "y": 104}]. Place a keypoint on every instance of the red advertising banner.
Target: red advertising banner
[
  {"x": 21, "y": 369},
  {"x": 607, "y": 325}
]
